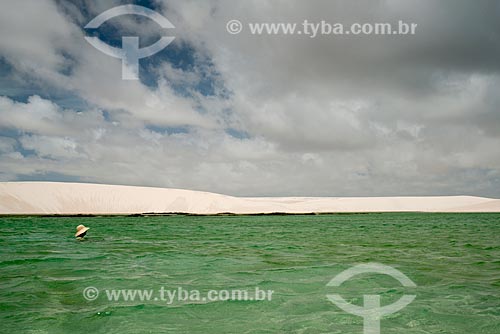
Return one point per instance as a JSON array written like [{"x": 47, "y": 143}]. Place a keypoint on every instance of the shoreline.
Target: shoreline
[
  {"x": 167, "y": 214},
  {"x": 77, "y": 199}
]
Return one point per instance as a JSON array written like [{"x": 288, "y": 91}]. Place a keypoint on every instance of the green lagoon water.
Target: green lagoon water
[{"x": 453, "y": 258}]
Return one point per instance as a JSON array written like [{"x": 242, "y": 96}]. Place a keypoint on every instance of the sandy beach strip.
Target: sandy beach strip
[{"x": 31, "y": 198}]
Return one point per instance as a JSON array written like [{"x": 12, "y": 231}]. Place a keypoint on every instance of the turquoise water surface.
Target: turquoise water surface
[{"x": 454, "y": 259}]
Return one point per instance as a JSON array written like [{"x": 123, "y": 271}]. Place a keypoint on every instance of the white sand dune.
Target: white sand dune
[{"x": 84, "y": 198}]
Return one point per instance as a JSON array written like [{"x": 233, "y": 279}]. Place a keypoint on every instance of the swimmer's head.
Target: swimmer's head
[{"x": 81, "y": 230}]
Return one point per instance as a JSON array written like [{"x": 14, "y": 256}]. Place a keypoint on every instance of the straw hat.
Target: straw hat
[{"x": 81, "y": 229}]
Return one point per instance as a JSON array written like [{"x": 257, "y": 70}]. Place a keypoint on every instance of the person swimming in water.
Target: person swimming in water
[{"x": 81, "y": 231}]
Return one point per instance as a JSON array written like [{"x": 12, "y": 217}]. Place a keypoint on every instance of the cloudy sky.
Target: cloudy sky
[{"x": 255, "y": 115}]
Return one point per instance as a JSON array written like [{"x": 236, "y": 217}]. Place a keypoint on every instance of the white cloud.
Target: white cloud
[
  {"x": 7, "y": 145},
  {"x": 51, "y": 147},
  {"x": 44, "y": 117}
]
